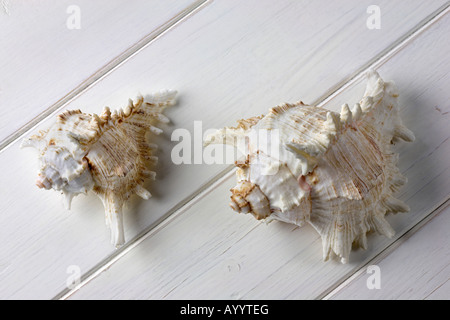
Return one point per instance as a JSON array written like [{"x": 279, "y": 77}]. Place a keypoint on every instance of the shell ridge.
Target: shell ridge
[
  {"x": 343, "y": 162},
  {"x": 380, "y": 123},
  {"x": 107, "y": 153},
  {"x": 380, "y": 108}
]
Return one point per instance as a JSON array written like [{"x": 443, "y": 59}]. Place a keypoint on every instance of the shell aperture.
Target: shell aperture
[
  {"x": 107, "y": 154},
  {"x": 335, "y": 171}
]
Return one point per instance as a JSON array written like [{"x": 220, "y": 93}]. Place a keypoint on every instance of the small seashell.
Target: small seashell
[
  {"x": 335, "y": 171},
  {"x": 105, "y": 154}
]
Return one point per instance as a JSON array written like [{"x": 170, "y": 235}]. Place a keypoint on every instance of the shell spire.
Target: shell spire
[
  {"x": 107, "y": 154},
  {"x": 334, "y": 171}
]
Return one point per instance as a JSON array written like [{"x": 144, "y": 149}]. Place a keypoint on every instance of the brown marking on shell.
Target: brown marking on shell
[
  {"x": 106, "y": 114},
  {"x": 40, "y": 184},
  {"x": 62, "y": 117},
  {"x": 243, "y": 164},
  {"x": 344, "y": 163},
  {"x": 246, "y": 124},
  {"x": 248, "y": 198},
  {"x": 111, "y": 147},
  {"x": 313, "y": 179},
  {"x": 285, "y": 106}
]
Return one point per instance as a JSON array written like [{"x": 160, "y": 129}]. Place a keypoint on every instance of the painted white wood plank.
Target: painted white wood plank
[
  {"x": 208, "y": 251},
  {"x": 418, "y": 269},
  {"x": 229, "y": 61},
  {"x": 440, "y": 293},
  {"x": 49, "y": 47}
]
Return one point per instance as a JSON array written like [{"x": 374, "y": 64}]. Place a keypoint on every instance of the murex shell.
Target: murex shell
[
  {"x": 335, "y": 171},
  {"x": 107, "y": 154}
]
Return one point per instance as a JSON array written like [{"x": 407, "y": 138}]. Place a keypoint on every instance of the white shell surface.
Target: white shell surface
[
  {"x": 286, "y": 79},
  {"x": 335, "y": 171},
  {"x": 107, "y": 154}
]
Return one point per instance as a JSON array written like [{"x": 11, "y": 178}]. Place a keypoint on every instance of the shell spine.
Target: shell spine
[
  {"x": 107, "y": 154},
  {"x": 335, "y": 171}
]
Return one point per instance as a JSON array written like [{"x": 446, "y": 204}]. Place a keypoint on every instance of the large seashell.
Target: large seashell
[
  {"x": 107, "y": 154},
  {"x": 335, "y": 171}
]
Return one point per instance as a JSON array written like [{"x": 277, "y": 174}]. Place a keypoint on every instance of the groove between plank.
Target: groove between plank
[
  {"x": 333, "y": 289},
  {"x": 152, "y": 230},
  {"x": 103, "y": 72},
  {"x": 218, "y": 179},
  {"x": 346, "y": 280},
  {"x": 385, "y": 55}
]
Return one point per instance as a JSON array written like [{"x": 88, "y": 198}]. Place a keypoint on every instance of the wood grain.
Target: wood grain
[
  {"x": 233, "y": 256},
  {"x": 47, "y": 51},
  {"x": 418, "y": 269},
  {"x": 228, "y": 61}
]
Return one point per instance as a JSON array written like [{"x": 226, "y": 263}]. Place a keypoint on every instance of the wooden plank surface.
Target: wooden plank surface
[
  {"x": 215, "y": 253},
  {"x": 418, "y": 269},
  {"x": 228, "y": 61},
  {"x": 51, "y": 47}
]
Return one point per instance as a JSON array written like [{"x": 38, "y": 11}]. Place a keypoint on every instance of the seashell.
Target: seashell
[
  {"x": 107, "y": 154},
  {"x": 334, "y": 171}
]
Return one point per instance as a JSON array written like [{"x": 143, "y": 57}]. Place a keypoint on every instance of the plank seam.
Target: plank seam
[
  {"x": 385, "y": 55},
  {"x": 153, "y": 229},
  {"x": 218, "y": 179},
  {"x": 435, "y": 289},
  {"x": 103, "y": 72},
  {"x": 346, "y": 280}
]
